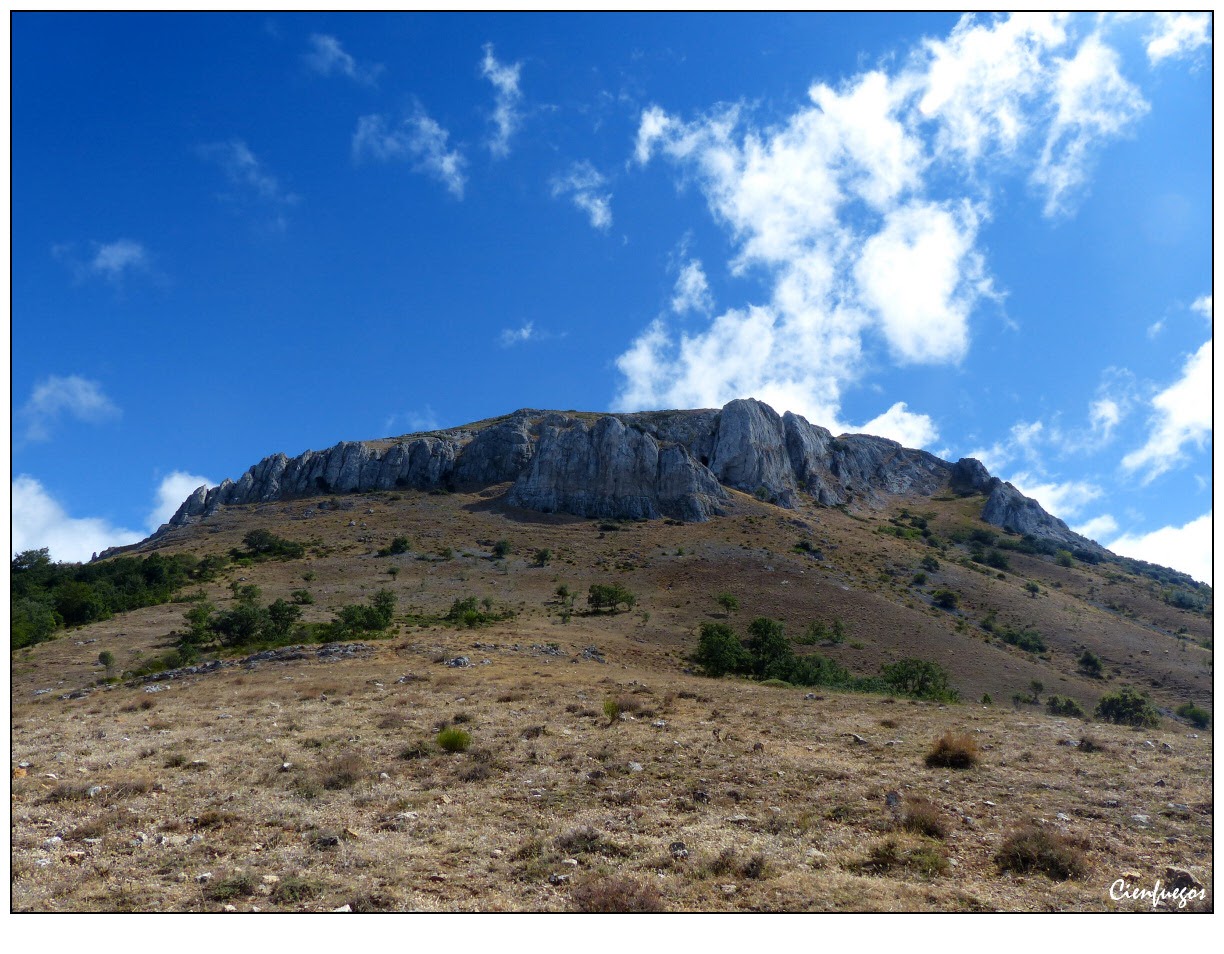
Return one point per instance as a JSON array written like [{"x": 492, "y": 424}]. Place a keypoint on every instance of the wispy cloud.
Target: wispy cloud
[
  {"x": 513, "y": 336},
  {"x": 1181, "y": 415},
  {"x": 328, "y": 58},
  {"x": 507, "y": 96},
  {"x": 585, "y": 186},
  {"x": 863, "y": 208},
  {"x": 111, "y": 261},
  {"x": 56, "y": 397},
  {"x": 418, "y": 140},
  {"x": 413, "y": 422},
  {"x": 1177, "y": 34},
  {"x": 251, "y": 183}
]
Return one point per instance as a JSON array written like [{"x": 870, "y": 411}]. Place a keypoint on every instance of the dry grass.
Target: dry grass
[
  {"x": 953, "y": 750},
  {"x": 1035, "y": 849},
  {"x": 616, "y": 896},
  {"x": 235, "y": 782}
]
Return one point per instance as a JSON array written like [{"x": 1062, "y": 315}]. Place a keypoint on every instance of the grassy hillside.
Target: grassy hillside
[{"x": 602, "y": 768}]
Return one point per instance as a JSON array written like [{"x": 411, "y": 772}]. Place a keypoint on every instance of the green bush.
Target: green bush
[
  {"x": 920, "y": 679},
  {"x": 719, "y": 651},
  {"x": 454, "y": 740},
  {"x": 397, "y": 546},
  {"x": 1090, "y": 664},
  {"x": 1200, "y": 718},
  {"x": 945, "y": 599},
  {"x": 609, "y": 596},
  {"x": 728, "y": 601},
  {"x": 1060, "y": 706},
  {"x": 501, "y": 549},
  {"x": 1128, "y": 707},
  {"x": 266, "y": 545}
]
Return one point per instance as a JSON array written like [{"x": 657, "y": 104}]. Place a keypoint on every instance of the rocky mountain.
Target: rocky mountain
[{"x": 676, "y": 464}]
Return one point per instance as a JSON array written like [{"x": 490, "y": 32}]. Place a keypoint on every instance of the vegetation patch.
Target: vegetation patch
[
  {"x": 1034, "y": 849},
  {"x": 953, "y": 750}
]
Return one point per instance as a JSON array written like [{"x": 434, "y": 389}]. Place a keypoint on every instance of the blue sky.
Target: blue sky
[{"x": 234, "y": 235}]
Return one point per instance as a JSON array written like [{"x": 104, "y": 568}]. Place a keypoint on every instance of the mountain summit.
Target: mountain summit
[{"x": 684, "y": 465}]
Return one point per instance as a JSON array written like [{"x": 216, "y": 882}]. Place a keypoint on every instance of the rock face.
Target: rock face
[
  {"x": 614, "y": 470},
  {"x": 676, "y": 464}
]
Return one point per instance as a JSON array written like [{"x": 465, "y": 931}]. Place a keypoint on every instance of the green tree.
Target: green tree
[
  {"x": 609, "y": 596},
  {"x": 729, "y": 602},
  {"x": 919, "y": 678},
  {"x": 501, "y": 549},
  {"x": 107, "y": 659},
  {"x": 768, "y": 645},
  {"x": 1090, "y": 664},
  {"x": 719, "y": 651},
  {"x": 1128, "y": 707}
]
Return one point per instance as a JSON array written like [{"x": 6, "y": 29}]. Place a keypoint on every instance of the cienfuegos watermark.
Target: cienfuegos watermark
[{"x": 1157, "y": 895}]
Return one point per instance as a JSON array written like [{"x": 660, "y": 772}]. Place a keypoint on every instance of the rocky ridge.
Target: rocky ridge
[{"x": 675, "y": 464}]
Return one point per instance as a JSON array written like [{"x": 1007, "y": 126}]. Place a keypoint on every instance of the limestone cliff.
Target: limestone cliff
[{"x": 677, "y": 464}]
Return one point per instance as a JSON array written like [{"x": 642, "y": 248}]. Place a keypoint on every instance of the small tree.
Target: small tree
[
  {"x": 719, "y": 651},
  {"x": 501, "y": 549},
  {"x": 1090, "y": 664},
  {"x": 542, "y": 557},
  {"x": 1128, "y": 707},
  {"x": 609, "y": 596},
  {"x": 945, "y": 599},
  {"x": 729, "y": 602},
  {"x": 1033, "y": 589},
  {"x": 107, "y": 658},
  {"x": 767, "y": 644}
]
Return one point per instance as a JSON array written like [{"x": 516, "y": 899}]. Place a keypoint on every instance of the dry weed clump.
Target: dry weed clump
[
  {"x": 953, "y": 750},
  {"x": 616, "y": 896},
  {"x": 235, "y": 886},
  {"x": 1047, "y": 852},
  {"x": 587, "y": 841},
  {"x": 343, "y": 771},
  {"x": 923, "y": 818},
  {"x": 925, "y": 858}
]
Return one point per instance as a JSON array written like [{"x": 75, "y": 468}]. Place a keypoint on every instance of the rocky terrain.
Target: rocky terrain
[{"x": 602, "y": 768}]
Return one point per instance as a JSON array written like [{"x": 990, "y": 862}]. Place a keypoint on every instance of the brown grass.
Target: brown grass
[
  {"x": 953, "y": 750},
  {"x": 616, "y": 896},
  {"x": 1033, "y": 849}
]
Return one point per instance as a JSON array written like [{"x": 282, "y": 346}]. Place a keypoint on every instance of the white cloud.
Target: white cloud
[
  {"x": 903, "y": 426},
  {"x": 1186, "y": 548},
  {"x": 692, "y": 290},
  {"x": 41, "y": 521},
  {"x": 1202, "y": 305},
  {"x": 111, "y": 260},
  {"x": 1181, "y": 416},
  {"x": 861, "y": 210},
  {"x": 413, "y": 422},
  {"x": 584, "y": 184},
  {"x": 1176, "y": 34},
  {"x": 513, "y": 336},
  {"x": 1094, "y": 102},
  {"x": 327, "y": 57},
  {"x": 506, "y": 115},
  {"x": 1062, "y": 499},
  {"x": 250, "y": 179},
  {"x": 1097, "y": 528},
  {"x": 1104, "y": 415},
  {"x": 55, "y": 397},
  {"x": 417, "y": 139},
  {"x": 173, "y": 489},
  {"x": 921, "y": 277}
]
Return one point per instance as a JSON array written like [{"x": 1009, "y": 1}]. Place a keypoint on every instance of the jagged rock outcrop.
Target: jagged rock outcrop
[
  {"x": 1006, "y": 507},
  {"x": 613, "y": 470},
  {"x": 649, "y": 464}
]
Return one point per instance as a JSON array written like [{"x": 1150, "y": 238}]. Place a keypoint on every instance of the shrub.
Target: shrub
[
  {"x": 919, "y": 678},
  {"x": 586, "y": 841},
  {"x": 612, "y": 709},
  {"x": 1128, "y": 707},
  {"x": 501, "y": 549},
  {"x": 235, "y": 886},
  {"x": 1090, "y": 664},
  {"x": 454, "y": 740},
  {"x": 343, "y": 772},
  {"x": 1060, "y": 706},
  {"x": 1200, "y": 718},
  {"x": 542, "y": 557},
  {"x": 1027, "y": 639},
  {"x": 923, "y": 818},
  {"x": 728, "y": 601},
  {"x": 301, "y": 597},
  {"x": 1033, "y": 849},
  {"x": 951, "y": 750},
  {"x": 1032, "y": 588},
  {"x": 266, "y": 545},
  {"x": 1064, "y": 558},
  {"x": 616, "y": 896},
  {"x": 927, "y": 859},
  {"x": 930, "y": 564},
  {"x": 945, "y": 599},
  {"x": 610, "y": 596},
  {"x": 292, "y": 889}
]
